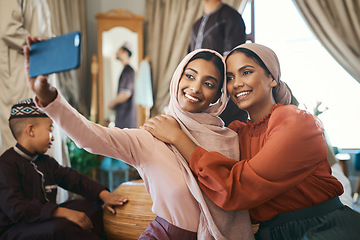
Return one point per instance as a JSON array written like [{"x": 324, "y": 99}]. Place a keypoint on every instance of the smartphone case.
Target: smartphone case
[{"x": 54, "y": 55}]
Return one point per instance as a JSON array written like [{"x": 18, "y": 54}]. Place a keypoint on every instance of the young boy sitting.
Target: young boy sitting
[{"x": 28, "y": 186}]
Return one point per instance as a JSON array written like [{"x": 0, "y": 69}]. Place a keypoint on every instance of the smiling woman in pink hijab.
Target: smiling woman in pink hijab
[
  {"x": 198, "y": 96},
  {"x": 283, "y": 176}
]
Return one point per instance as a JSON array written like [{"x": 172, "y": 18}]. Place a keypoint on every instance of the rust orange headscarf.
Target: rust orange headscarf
[{"x": 281, "y": 92}]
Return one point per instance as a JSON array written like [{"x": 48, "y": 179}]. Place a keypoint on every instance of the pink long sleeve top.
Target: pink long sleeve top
[
  {"x": 283, "y": 166},
  {"x": 154, "y": 160}
]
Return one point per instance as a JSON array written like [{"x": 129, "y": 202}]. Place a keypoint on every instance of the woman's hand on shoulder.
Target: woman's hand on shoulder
[
  {"x": 163, "y": 127},
  {"x": 168, "y": 130}
]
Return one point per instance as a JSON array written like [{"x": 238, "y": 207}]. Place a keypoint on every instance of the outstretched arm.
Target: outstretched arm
[
  {"x": 167, "y": 129},
  {"x": 39, "y": 85},
  {"x": 117, "y": 143}
]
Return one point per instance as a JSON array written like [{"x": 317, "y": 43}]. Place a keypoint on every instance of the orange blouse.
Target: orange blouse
[{"x": 283, "y": 166}]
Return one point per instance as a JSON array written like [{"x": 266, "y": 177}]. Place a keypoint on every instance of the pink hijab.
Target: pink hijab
[{"x": 207, "y": 130}]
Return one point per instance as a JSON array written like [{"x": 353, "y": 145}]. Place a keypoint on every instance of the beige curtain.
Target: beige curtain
[
  {"x": 337, "y": 26},
  {"x": 68, "y": 16},
  {"x": 168, "y": 28}
]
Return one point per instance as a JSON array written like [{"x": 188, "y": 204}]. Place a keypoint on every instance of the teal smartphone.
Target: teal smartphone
[{"x": 58, "y": 54}]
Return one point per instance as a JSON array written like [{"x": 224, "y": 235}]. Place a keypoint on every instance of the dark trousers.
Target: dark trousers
[
  {"x": 330, "y": 220},
  {"x": 60, "y": 228}
]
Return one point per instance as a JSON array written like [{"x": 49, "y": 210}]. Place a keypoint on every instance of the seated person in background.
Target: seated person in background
[{"x": 28, "y": 186}]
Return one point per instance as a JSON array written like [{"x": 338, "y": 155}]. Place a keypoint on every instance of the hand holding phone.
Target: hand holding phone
[{"x": 56, "y": 54}]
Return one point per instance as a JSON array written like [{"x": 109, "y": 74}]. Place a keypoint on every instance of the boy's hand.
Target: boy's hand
[
  {"x": 76, "y": 217},
  {"x": 110, "y": 200},
  {"x": 39, "y": 85}
]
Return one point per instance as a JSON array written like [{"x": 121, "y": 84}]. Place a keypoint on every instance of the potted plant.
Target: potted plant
[{"x": 83, "y": 161}]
